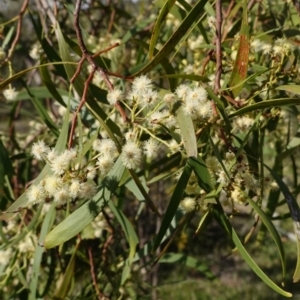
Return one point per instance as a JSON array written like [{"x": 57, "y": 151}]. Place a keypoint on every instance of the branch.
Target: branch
[
  {"x": 218, "y": 45},
  {"x": 99, "y": 296},
  {"x": 19, "y": 26},
  {"x": 95, "y": 68}
]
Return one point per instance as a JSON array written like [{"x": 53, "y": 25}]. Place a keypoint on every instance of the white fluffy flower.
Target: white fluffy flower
[
  {"x": 131, "y": 155},
  {"x": 114, "y": 96},
  {"x": 170, "y": 98},
  {"x": 36, "y": 193},
  {"x": 62, "y": 196},
  {"x": 149, "y": 98},
  {"x": 211, "y": 21},
  {"x": 35, "y": 51},
  {"x": 5, "y": 256},
  {"x": 52, "y": 184},
  {"x": 74, "y": 188},
  {"x": 151, "y": 148},
  {"x": 188, "y": 204},
  {"x": 61, "y": 163},
  {"x": 28, "y": 244},
  {"x": 198, "y": 94},
  {"x": 256, "y": 45},
  {"x": 223, "y": 178},
  {"x": 39, "y": 149},
  {"x": 105, "y": 163},
  {"x": 182, "y": 91},
  {"x": 105, "y": 146},
  {"x": 141, "y": 84},
  {"x": 243, "y": 123},
  {"x": 10, "y": 94},
  {"x": 212, "y": 164},
  {"x": 237, "y": 195},
  {"x": 205, "y": 110},
  {"x": 51, "y": 155},
  {"x": 88, "y": 190}
]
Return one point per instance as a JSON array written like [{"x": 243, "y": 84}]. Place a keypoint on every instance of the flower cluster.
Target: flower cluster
[
  {"x": 67, "y": 181},
  {"x": 280, "y": 47},
  {"x": 195, "y": 102},
  {"x": 234, "y": 176},
  {"x": 10, "y": 94}
]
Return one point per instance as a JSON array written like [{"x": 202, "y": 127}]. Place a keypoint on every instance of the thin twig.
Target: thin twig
[
  {"x": 82, "y": 101},
  {"x": 90, "y": 58},
  {"x": 218, "y": 46},
  {"x": 93, "y": 274},
  {"x": 84, "y": 50},
  {"x": 208, "y": 58},
  {"x": 106, "y": 50},
  {"x": 229, "y": 9},
  {"x": 18, "y": 34}
]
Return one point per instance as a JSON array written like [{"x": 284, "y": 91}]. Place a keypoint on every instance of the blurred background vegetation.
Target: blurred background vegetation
[{"x": 111, "y": 257}]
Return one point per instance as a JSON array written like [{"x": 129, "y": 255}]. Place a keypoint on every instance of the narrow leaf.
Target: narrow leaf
[
  {"x": 201, "y": 172},
  {"x": 173, "y": 204},
  {"x": 158, "y": 24},
  {"x": 175, "y": 38},
  {"x": 186, "y": 126},
  {"x": 131, "y": 237},
  {"x": 293, "y": 88},
  {"x": 266, "y": 104},
  {"x": 224, "y": 222},
  {"x": 269, "y": 225},
  {"x": 295, "y": 214},
  {"x": 65, "y": 284},
  {"x": 240, "y": 68}
]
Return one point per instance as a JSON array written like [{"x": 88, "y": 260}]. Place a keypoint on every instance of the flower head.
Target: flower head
[
  {"x": 151, "y": 148},
  {"x": 188, "y": 204},
  {"x": 170, "y": 98},
  {"x": 74, "y": 188},
  {"x": 35, "y": 51},
  {"x": 36, "y": 193},
  {"x": 5, "y": 256},
  {"x": 105, "y": 163},
  {"x": 131, "y": 155},
  {"x": 28, "y": 244},
  {"x": 61, "y": 163},
  {"x": 39, "y": 149},
  {"x": 10, "y": 94},
  {"x": 141, "y": 84},
  {"x": 149, "y": 98},
  {"x": 182, "y": 91},
  {"x": 198, "y": 94},
  {"x": 212, "y": 164},
  {"x": 243, "y": 123},
  {"x": 88, "y": 190},
  {"x": 52, "y": 185},
  {"x": 114, "y": 96},
  {"x": 62, "y": 196}
]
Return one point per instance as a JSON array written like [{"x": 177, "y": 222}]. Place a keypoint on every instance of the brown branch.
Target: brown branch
[
  {"x": 229, "y": 9},
  {"x": 84, "y": 50},
  {"x": 82, "y": 101},
  {"x": 218, "y": 46},
  {"x": 80, "y": 63},
  {"x": 94, "y": 278},
  {"x": 208, "y": 58},
  {"x": 111, "y": 21},
  {"x": 90, "y": 58},
  {"x": 18, "y": 34},
  {"x": 106, "y": 50}
]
